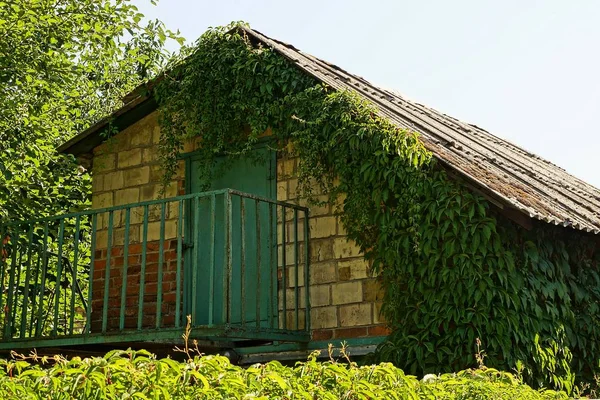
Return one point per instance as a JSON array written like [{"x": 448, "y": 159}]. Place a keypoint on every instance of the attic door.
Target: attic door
[{"x": 251, "y": 291}]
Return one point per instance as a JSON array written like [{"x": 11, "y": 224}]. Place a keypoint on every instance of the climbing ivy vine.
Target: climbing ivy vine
[{"x": 453, "y": 270}]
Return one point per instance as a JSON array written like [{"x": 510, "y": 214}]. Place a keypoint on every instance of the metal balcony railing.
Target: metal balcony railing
[{"x": 236, "y": 263}]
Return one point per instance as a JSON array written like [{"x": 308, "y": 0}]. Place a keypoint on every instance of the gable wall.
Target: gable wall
[{"x": 345, "y": 300}]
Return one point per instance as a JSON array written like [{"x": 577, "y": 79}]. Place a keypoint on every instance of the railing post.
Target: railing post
[
  {"x": 107, "y": 271},
  {"x": 243, "y": 260},
  {"x": 211, "y": 272},
  {"x": 88, "y": 317},
  {"x": 273, "y": 265},
  {"x": 61, "y": 233},
  {"x": 11, "y": 287},
  {"x": 284, "y": 266},
  {"x": 258, "y": 262},
  {"x": 296, "y": 274},
  {"x": 178, "y": 272},
  {"x": 161, "y": 250},
  {"x": 3, "y": 264},
  {"x": 195, "y": 258},
  {"x": 27, "y": 279},
  {"x": 307, "y": 270},
  {"x": 125, "y": 268},
  {"x": 228, "y": 250},
  {"x": 74, "y": 283},
  {"x": 143, "y": 269}
]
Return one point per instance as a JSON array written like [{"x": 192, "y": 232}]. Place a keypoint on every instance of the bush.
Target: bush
[{"x": 139, "y": 374}]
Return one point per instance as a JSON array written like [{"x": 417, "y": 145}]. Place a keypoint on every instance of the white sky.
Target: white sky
[{"x": 527, "y": 71}]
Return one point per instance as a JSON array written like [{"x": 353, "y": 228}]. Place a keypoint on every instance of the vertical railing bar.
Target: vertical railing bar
[
  {"x": 74, "y": 271},
  {"x": 61, "y": 233},
  {"x": 243, "y": 260},
  {"x": 125, "y": 268},
  {"x": 195, "y": 257},
  {"x": 4, "y": 260},
  {"x": 107, "y": 271},
  {"x": 229, "y": 226},
  {"x": 27, "y": 279},
  {"x": 211, "y": 271},
  {"x": 225, "y": 263},
  {"x": 34, "y": 297},
  {"x": 161, "y": 250},
  {"x": 38, "y": 326},
  {"x": 283, "y": 263},
  {"x": 3, "y": 265},
  {"x": 178, "y": 272},
  {"x": 258, "y": 261},
  {"x": 306, "y": 272},
  {"x": 296, "y": 285},
  {"x": 143, "y": 269},
  {"x": 273, "y": 263},
  {"x": 9, "y": 319},
  {"x": 16, "y": 290}
]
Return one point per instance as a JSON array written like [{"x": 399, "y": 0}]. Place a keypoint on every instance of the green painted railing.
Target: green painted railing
[{"x": 236, "y": 263}]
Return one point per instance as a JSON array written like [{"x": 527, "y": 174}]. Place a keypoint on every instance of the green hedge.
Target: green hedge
[{"x": 139, "y": 374}]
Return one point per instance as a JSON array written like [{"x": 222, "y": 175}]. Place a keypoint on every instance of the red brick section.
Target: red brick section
[
  {"x": 169, "y": 286},
  {"x": 349, "y": 333}
]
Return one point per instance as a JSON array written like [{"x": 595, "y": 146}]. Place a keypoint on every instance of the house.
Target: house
[{"x": 257, "y": 270}]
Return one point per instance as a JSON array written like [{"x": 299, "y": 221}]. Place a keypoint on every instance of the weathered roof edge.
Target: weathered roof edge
[{"x": 515, "y": 178}]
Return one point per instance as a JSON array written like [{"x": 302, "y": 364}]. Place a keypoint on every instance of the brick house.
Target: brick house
[{"x": 236, "y": 258}]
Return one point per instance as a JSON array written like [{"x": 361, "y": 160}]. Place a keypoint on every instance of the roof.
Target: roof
[{"x": 510, "y": 175}]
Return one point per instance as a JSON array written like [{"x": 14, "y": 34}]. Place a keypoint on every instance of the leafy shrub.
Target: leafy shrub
[{"x": 139, "y": 374}]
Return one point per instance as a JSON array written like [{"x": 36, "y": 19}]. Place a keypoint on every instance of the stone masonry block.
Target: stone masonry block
[
  {"x": 341, "y": 229},
  {"x": 378, "y": 317},
  {"x": 154, "y": 230},
  {"x": 322, "y": 227},
  {"x": 347, "y": 292},
  {"x": 323, "y": 317},
  {"x": 97, "y": 183},
  {"x": 373, "y": 290},
  {"x": 320, "y": 295},
  {"x": 321, "y": 250},
  {"x": 345, "y": 248},
  {"x": 149, "y": 155},
  {"x": 114, "y": 180},
  {"x": 102, "y": 200},
  {"x": 323, "y": 272},
  {"x": 282, "y": 192},
  {"x": 136, "y": 176},
  {"x": 127, "y": 196},
  {"x": 130, "y": 158},
  {"x": 142, "y": 137},
  {"x": 353, "y": 269},
  {"x": 104, "y": 162},
  {"x": 156, "y": 134},
  {"x": 356, "y": 314}
]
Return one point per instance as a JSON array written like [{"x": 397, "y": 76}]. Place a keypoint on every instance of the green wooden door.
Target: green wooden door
[{"x": 250, "y": 288}]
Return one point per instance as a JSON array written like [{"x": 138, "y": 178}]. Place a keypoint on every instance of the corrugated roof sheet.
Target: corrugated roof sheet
[{"x": 516, "y": 177}]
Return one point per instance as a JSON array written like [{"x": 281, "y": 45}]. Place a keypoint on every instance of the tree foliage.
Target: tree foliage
[
  {"x": 452, "y": 268},
  {"x": 64, "y": 64}
]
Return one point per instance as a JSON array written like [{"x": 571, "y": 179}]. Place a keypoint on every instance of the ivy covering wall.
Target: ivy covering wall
[{"x": 454, "y": 271}]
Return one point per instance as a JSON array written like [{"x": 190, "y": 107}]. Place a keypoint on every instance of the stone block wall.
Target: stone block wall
[{"x": 345, "y": 299}]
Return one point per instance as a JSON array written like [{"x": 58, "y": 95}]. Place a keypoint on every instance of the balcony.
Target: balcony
[{"x": 236, "y": 263}]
